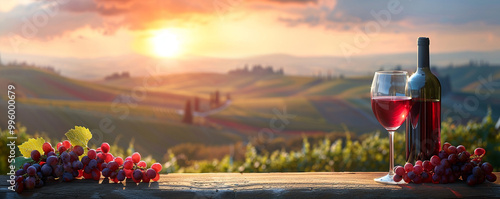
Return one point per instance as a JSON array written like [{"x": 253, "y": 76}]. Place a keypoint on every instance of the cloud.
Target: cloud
[
  {"x": 347, "y": 14},
  {"x": 107, "y": 16}
]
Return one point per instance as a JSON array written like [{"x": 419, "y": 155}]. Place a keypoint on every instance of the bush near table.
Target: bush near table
[{"x": 370, "y": 153}]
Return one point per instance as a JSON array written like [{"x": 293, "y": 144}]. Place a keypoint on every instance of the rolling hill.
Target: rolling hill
[{"x": 146, "y": 110}]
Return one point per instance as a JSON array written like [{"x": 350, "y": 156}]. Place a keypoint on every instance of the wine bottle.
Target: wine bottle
[{"x": 423, "y": 123}]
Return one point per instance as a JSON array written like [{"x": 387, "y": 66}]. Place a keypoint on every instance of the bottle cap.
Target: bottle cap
[{"x": 423, "y": 41}]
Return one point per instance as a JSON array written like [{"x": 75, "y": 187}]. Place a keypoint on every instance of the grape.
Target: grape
[
  {"x": 128, "y": 158},
  {"x": 66, "y": 144},
  {"x": 39, "y": 174},
  {"x": 453, "y": 158},
  {"x": 417, "y": 179},
  {"x": 46, "y": 147},
  {"x": 128, "y": 164},
  {"x": 108, "y": 157},
  {"x": 142, "y": 164},
  {"x": 487, "y": 168},
  {"x": 121, "y": 175},
  {"x": 35, "y": 155},
  {"x": 58, "y": 171},
  {"x": 435, "y": 160},
  {"x": 128, "y": 173},
  {"x": 68, "y": 167},
  {"x": 52, "y": 160},
  {"x": 119, "y": 161},
  {"x": 26, "y": 165},
  {"x": 78, "y": 150},
  {"x": 479, "y": 151},
  {"x": 471, "y": 180},
  {"x": 408, "y": 167},
  {"x": 77, "y": 165},
  {"x": 445, "y": 163},
  {"x": 424, "y": 175},
  {"x": 136, "y": 157},
  {"x": 106, "y": 172},
  {"x": 418, "y": 169},
  {"x": 37, "y": 167},
  {"x": 158, "y": 177},
  {"x": 92, "y": 164},
  {"x": 91, "y": 154},
  {"x": 145, "y": 178},
  {"x": 62, "y": 149},
  {"x": 65, "y": 156},
  {"x": 113, "y": 174},
  {"x": 442, "y": 154},
  {"x": 491, "y": 177},
  {"x": 427, "y": 165},
  {"x": 51, "y": 154},
  {"x": 67, "y": 177},
  {"x": 436, "y": 178},
  {"x": 96, "y": 174},
  {"x": 46, "y": 170},
  {"x": 452, "y": 150},
  {"x": 418, "y": 162},
  {"x": 58, "y": 145},
  {"x": 20, "y": 172},
  {"x": 113, "y": 166},
  {"x": 399, "y": 170},
  {"x": 462, "y": 157},
  {"x": 104, "y": 165},
  {"x": 31, "y": 171},
  {"x": 72, "y": 156},
  {"x": 460, "y": 148},
  {"x": 137, "y": 175},
  {"x": 75, "y": 173},
  {"x": 151, "y": 173},
  {"x": 477, "y": 171},
  {"x": 98, "y": 150},
  {"x": 87, "y": 169},
  {"x": 85, "y": 160},
  {"x": 396, "y": 178},
  {"x": 446, "y": 145},
  {"x": 19, "y": 187},
  {"x": 157, "y": 167},
  {"x": 448, "y": 171},
  {"x": 30, "y": 182},
  {"x": 411, "y": 175},
  {"x": 439, "y": 170},
  {"x": 105, "y": 147}
]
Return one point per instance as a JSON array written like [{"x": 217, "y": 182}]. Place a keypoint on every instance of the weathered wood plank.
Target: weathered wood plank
[{"x": 256, "y": 185}]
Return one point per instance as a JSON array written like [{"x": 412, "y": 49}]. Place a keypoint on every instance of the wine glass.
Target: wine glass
[{"x": 391, "y": 102}]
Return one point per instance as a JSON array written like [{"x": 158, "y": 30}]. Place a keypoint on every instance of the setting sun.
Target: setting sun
[{"x": 166, "y": 43}]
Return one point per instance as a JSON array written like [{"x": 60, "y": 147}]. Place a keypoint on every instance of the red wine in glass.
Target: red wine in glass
[
  {"x": 391, "y": 102},
  {"x": 391, "y": 111}
]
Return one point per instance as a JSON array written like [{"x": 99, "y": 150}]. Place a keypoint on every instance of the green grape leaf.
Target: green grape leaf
[
  {"x": 19, "y": 162},
  {"x": 79, "y": 136},
  {"x": 30, "y": 145}
]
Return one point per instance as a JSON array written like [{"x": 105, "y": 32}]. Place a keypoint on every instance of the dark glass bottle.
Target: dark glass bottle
[{"x": 423, "y": 123}]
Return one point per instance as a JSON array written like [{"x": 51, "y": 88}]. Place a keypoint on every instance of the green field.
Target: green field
[{"x": 145, "y": 108}]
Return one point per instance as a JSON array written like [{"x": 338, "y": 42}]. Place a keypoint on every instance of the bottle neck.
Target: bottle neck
[{"x": 423, "y": 56}]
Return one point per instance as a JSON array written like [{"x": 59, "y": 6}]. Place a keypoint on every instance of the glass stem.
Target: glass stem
[{"x": 391, "y": 153}]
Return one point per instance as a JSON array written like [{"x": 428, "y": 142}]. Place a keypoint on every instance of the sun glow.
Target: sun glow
[{"x": 166, "y": 43}]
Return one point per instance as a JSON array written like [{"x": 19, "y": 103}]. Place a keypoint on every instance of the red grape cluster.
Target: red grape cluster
[
  {"x": 450, "y": 165},
  {"x": 64, "y": 164}
]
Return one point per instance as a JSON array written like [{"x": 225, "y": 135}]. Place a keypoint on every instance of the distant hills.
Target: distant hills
[
  {"x": 145, "y": 108},
  {"x": 140, "y": 65}
]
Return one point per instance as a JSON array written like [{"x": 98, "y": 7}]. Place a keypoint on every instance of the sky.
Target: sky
[{"x": 176, "y": 29}]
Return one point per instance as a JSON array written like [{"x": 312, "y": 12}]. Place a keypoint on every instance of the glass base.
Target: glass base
[{"x": 387, "y": 179}]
